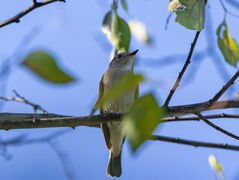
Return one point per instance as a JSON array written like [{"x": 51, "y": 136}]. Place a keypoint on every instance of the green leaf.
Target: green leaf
[
  {"x": 124, "y": 5},
  {"x": 127, "y": 83},
  {"x": 106, "y": 25},
  {"x": 142, "y": 119},
  {"x": 139, "y": 31},
  {"x": 45, "y": 66},
  {"x": 120, "y": 34},
  {"x": 190, "y": 13},
  {"x": 227, "y": 44}
]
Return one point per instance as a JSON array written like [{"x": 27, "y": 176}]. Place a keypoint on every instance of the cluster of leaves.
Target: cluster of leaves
[{"x": 191, "y": 14}]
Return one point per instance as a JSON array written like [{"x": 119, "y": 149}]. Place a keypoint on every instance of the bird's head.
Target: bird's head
[{"x": 124, "y": 60}]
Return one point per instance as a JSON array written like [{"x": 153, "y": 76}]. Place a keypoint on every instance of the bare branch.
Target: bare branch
[
  {"x": 225, "y": 87},
  {"x": 196, "y": 118},
  {"x": 36, "y": 107},
  {"x": 233, "y": 3},
  {"x": 194, "y": 143},
  {"x": 199, "y": 107},
  {"x": 64, "y": 159},
  {"x": 23, "y": 100},
  {"x": 181, "y": 73},
  {"x": 35, "y": 5},
  {"x": 20, "y": 121},
  {"x": 226, "y": 9},
  {"x": 217, "y": 127}
]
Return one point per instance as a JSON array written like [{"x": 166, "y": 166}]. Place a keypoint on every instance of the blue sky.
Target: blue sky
[{"x": 72, "y": 32}]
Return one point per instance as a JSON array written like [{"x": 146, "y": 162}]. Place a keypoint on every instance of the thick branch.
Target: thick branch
[
  {"x": 20, "y": 121},
  {"x": 35, "y": 5}
]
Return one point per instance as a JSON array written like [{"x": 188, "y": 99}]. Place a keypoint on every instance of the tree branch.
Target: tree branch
[
  {"x": 196, "y": 118},
  {"x": 22, "y": 99},
  {"x": 20, "y": 121},
  {"x": 214, "y": 126},
  {"x": 35, "y": 5},
  {"x": 225, "y": 88},
  {"x": 199, "y": 107},
  {"x": 194, "y": 143},
  {"x": 181, "y": 73}
]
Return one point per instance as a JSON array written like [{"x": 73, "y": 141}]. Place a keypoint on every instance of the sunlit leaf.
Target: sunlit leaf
[
  {"x": 106, "y": 25},
  {"x": 139, "y": 31},
  {"x": 227, "y": 45},
  {"x": 175, "y": 6},
  {"x": 142, "y": 119},
  {"x": 127, "y": 83},
  {"x": 190, "y": 14},
  {"x": 120, "y": 34},
  {"x": 46, "y": 67},
  {"x": 124, "y": 5},
  {"x": 215, "y": 165}
]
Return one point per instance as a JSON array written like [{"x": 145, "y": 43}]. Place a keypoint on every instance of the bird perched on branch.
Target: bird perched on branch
[{"x": 121, "y": 65}]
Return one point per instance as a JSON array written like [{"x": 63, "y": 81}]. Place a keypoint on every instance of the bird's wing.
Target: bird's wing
[
  {"x": 101, "y": 93},
  {"x": 106, "y": 133},
  {"x": 104, "y": 127}
]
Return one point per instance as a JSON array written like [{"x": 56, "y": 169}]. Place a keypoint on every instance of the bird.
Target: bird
[{"x": 121, "y": 65}]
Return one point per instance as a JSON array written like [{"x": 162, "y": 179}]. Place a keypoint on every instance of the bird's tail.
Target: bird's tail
[{"x": 114, "y": 165}]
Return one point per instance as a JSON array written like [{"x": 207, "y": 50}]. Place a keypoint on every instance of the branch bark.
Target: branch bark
[
  {"x": 18, "y": 16},
  {"x": 225, "y": 87},
  {"x": 21, "y": 121},
  {"x": 196, "y": 118},
  {"x": 194, "y": 143},
  {"x": 22, "y": 99},
  {"x": 214, "y": 126}
]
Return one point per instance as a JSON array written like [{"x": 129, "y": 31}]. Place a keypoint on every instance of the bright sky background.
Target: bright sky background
[{"x": 72, "y": 32}]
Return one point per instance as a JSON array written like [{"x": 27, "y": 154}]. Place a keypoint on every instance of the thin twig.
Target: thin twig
[
  {"x": 196, "y": 118},
  {"x": 234, "y": 3},
  {"x": 22, "y": 99},
  {"x": 194, "y": 143},
  {"x": 187, "y": 62},
  {"x": 225, "y": 9},
  {"x": 217, "y": 127},
  {"x": 199, "y": 107},
  {"x": 224, "y": 88},
  {"x": 64, "y": 159},
  {"x": 36, "y": 107},
  {"x": 35, "y": 5}
]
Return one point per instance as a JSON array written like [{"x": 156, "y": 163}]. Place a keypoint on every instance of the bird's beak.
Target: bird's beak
[{"x": 134, "y": 52}]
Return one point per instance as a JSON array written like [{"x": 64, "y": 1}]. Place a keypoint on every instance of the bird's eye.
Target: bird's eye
[{"x": 119, "y": 56}]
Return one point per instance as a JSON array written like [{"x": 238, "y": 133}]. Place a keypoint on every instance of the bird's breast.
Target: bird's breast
[{"x": 122, "y": 103}]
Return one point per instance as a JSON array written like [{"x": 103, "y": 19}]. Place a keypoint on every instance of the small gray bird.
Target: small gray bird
[{"x": 121, "y": 65}]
